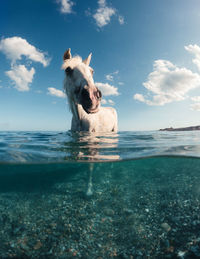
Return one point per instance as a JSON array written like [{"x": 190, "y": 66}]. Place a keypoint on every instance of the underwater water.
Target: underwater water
[{"x": 126, "y": 195}]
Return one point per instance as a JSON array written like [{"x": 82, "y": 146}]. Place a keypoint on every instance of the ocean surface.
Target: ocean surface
[{"x": 80, "y": 195}]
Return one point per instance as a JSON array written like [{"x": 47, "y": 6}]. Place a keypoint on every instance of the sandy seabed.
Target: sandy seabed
[{"x": 128, "y": 216}]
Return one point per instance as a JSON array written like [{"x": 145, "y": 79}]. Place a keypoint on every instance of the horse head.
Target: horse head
[{"x": 79, "y": 84}]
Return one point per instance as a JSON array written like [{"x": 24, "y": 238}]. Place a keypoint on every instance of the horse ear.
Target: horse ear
[
  {"x": 87, "y": 60},
  {"x": 67, "y": 54}
]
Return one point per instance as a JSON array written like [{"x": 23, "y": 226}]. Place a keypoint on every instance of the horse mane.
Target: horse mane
[
  {"x": 67, "y": 92},
  {"x": 72, "y": 62}
]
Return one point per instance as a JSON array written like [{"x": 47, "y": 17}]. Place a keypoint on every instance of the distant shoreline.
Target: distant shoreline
[{"x": 181, "y": 129}]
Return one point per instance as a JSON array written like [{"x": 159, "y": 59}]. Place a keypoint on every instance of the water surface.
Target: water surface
[
  {"x": 67, "y": 146},
  {"x": 125, "y": 195}
]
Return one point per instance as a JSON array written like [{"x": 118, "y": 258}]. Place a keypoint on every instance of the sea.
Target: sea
[{"x": 83, "y": 195}]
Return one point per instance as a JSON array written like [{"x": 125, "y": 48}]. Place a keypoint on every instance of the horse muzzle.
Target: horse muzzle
[{"x": 90, "y": 99}]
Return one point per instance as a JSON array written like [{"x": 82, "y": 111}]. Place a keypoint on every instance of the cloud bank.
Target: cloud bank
[
  {"x": 195, "y": 50},
  {"x": 195, "y": 106},
  {"x": 21, "y": 76},
  {"x": 168, "y": 83},
  {"x": 14, "y": 49}
]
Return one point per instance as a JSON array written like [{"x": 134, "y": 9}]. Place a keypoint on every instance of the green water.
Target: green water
[{"x": 145, "y": 208}]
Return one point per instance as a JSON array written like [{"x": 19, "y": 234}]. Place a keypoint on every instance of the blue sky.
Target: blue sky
[{"x": 146, "y": 58}]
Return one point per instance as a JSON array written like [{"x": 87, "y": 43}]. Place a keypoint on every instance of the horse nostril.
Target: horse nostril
[
  {"x": 85, "y": 94},
  {"x": 98, "y": 94}
]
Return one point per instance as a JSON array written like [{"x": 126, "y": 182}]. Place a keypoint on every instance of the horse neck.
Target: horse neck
[{"x": 76, "y": 109}]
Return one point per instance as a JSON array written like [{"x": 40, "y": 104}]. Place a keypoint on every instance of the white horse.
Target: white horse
[{"x": 84, "y": 97}]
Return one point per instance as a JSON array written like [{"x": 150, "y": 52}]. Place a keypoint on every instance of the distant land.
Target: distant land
[{"x": 181, "y": 129}]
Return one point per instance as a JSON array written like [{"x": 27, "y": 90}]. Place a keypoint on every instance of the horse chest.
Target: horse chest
[
  {"x": 102, "y": 121},
  {"x": 90, "y": 123}
]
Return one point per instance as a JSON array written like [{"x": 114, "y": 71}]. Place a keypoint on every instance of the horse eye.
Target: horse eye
[
  {"x": 69, "y": 71},
  {"x": 92, "y": 71}
]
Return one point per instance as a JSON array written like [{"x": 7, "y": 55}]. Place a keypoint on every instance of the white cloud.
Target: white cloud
[
  {"x": 111, "y": 102},
  {"x": 116, "y": 72},
  {"x": 120, "y": 83},
  {"x": 109, "y": 77},
  {"x": 139, "y": 97},
  {"x": 121, "y": 19},
  {"x": 168, "y": 83},
  {"x": 38, "y": 91},
  {"x": 195, "y": 98},
  {"x": 103, "y": 14},
  {"x": 195, "y": 50},
  {"x": 103, "y": 101},
  {"x": 21, "y": 76},
  {"x": 66, "y": 6},
  {"x": 55, "y": 92},
  {"x": 102, "y": 2},
  {"x": 16, "y": 47},
  {"x": 195, "y": 107},
  {"x": 107, "y": 89}
]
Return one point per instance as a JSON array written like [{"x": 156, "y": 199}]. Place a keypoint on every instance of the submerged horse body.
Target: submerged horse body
[{"x": 85, "y": 98}]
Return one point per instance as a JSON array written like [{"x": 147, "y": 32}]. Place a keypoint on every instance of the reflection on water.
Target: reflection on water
[
  {"x": 93, "y": 146},
  {"x": 67, "y": 146}
]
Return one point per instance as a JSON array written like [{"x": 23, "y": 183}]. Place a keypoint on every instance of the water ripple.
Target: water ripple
[{"x": 67, "y": 146}]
